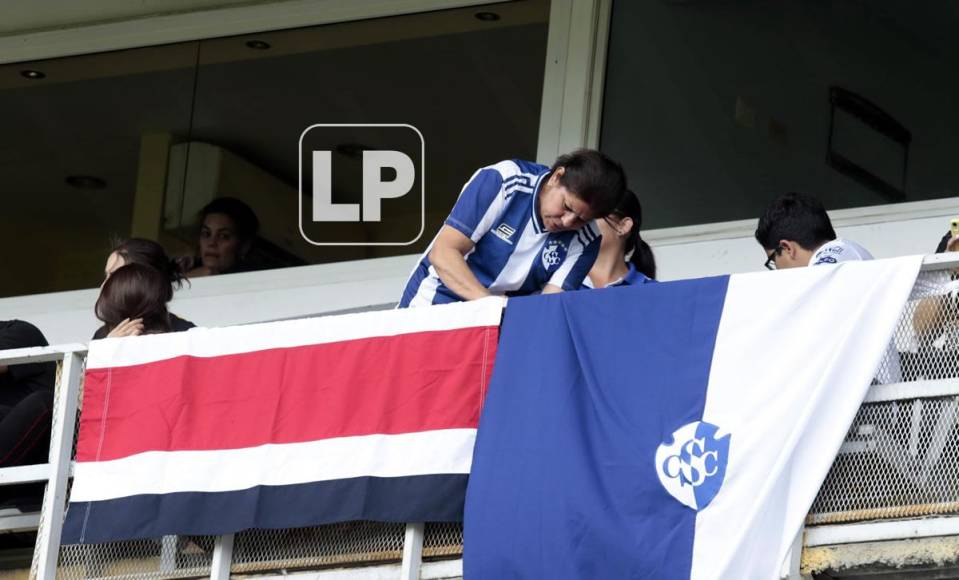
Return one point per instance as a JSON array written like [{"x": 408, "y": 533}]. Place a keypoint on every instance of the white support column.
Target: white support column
[
  {"x": 594, "y": 113},
  {"x": 168, "y": 554},
  {"x": 412, "y": 552},
  {"x": 61, "y": 447},
  {"x": 222, "y": 557},
  {"x": 791, "y": 566},
  {"x": 574, "y": 76}
]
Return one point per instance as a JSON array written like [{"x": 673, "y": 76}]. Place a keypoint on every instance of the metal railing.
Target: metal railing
[
  {"x": 901, "y": 454},
  {"x": 56, "y": 472},
  {"x": 898, "y": 466}
]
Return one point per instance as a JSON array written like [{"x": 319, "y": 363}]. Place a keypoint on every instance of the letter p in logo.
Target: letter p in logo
[{"x": 374, "y": 189}]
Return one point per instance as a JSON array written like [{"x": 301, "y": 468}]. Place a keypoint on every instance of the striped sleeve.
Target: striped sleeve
[
  {"x": 582, "y": 253},
  {"x": 482, "y": 193}
]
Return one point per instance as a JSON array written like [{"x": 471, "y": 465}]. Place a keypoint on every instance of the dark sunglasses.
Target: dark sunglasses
[{"x": 771, "y": 260}]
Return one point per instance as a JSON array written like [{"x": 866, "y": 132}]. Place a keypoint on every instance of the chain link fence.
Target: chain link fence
[
  {"x": 167, "y": 557},
  {"x": 258, "y": 551},
  {"x": 901, "y": 457},
  {"x": 346, "y": 543},
  {"x": 925, "y": 344},
  {"x": 443, "y": 540}
]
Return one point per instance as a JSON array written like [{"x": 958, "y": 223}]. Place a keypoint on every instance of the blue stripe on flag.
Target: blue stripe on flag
[
  {"x": 395, "y": 499},
  {"x": 586, "y": 386}
]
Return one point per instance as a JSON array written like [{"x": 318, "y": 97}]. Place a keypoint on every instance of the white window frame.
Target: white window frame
[
  {"x": 201, "y": 24},
  {"x": 572, "y": 117}
]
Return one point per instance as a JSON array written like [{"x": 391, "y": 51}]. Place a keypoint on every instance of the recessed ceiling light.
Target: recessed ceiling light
[
  {"x": 85, "y": 182},
  {"x": 32, "y": 75},
  {"x": 258, "y": 45},
  {"x": 487, "y": 16}
]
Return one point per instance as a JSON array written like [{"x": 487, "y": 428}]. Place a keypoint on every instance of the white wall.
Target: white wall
[
  {"x": 727, "y": 248},
  {"x": 233, "y": 299},
  {"x": 689, "y": 252}
]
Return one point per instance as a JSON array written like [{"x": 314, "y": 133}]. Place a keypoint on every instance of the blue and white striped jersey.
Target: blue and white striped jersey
[
  {"x": 633, "y": 277},
  {"x": 514, "y": 254}
]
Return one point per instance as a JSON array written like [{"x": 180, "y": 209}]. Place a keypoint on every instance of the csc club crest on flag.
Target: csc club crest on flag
[
  {"x": 662, "y": 446},
  {"x": 692, "y": 467}
]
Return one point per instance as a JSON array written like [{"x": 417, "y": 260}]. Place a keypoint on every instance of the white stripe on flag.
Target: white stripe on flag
[
  {"x": 447, "y": 451},
  {"x": 795, "y": 354},
  {"x": 210, "y": 342}
]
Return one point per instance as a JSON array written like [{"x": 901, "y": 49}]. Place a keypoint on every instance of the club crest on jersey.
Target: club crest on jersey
[
  {"x": 692, "y": 464},
  {"x": 554, "y": 252}
]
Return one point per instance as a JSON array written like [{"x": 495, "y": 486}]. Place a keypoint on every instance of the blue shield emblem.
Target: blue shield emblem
[
  {"x": 554, "y": 253},
  {"x": 692, "y": 465}
]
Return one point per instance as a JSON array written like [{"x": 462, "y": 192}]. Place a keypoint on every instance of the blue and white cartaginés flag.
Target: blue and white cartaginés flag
[{"x": 676, "y": 430}]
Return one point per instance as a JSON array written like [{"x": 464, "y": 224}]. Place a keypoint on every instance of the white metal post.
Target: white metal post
[
  {"x": 222, "y": 557},
  {"x": 413, "y": 551},
  {"x": 61, "y": 447},
  {"x": 168, "y": 545},
  {"x": 572, "y": 91},
  {"x": 791, "y": 566}
]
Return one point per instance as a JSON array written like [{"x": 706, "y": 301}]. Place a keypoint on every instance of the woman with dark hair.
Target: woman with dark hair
[
  {"x": 150, "y": 254},
  {"x": 137, "y": 292},
  {"x": 227, "y": 233},
  {"x": 625, "y": 259}
]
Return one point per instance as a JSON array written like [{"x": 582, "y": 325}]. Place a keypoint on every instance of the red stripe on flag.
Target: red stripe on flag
[{"x": 397, "y": 384}]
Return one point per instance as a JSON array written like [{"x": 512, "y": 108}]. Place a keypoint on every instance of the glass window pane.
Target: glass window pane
[
  {"x": 76, "y": 133},
  {"x": 471, "y": 85},
  {"x": 136, "y": 142},
  {"x": 716, "y": 108}
]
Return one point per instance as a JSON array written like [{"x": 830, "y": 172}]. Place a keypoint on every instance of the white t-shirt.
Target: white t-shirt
[{"x": 839, "y": 250}]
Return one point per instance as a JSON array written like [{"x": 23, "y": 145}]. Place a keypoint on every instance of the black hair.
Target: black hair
[
  {"x": 944, "y": 242},
  {"x": 592, "y": 177},
  {"x": 149, "y": 253},
  {"x": 796, "y": 217},
  {"x": 244, "y": 218},
  {"x": 641, "y": 254},
  {"x": 135, "y": 291},
  {"x": 643, "y": 259}
]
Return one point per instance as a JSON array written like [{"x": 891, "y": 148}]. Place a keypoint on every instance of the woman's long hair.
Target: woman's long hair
[
  {"x": 150, "y": 253},
  {"x": 639, "y": 252},
  {"x": 136, "y": 291}
]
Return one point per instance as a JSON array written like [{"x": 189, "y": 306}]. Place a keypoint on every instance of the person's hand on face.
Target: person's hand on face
[{"x": 127, "y": 327}]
